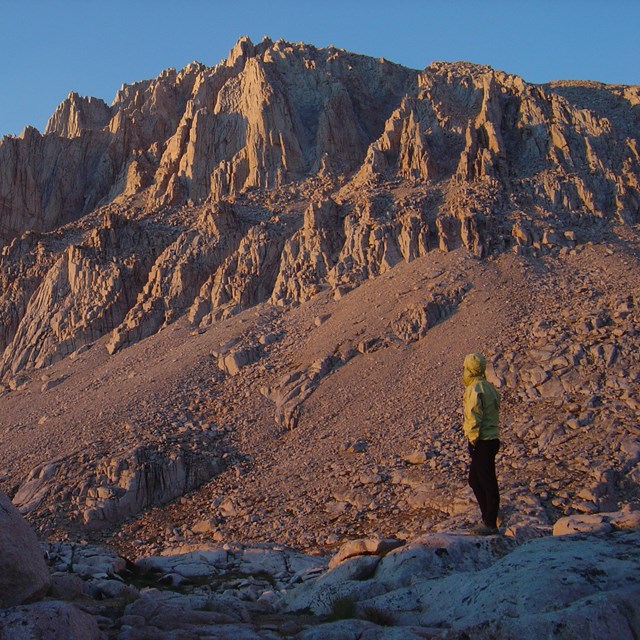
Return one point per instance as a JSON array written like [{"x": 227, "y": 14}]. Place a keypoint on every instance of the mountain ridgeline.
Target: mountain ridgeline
[{"x": 283, "y": 171}]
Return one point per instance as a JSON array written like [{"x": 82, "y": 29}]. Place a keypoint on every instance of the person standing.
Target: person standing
[{"x": 481, "y": 403}]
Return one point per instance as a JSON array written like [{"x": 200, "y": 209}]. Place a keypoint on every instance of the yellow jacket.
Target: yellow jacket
[{"x": 481, "y": 401}]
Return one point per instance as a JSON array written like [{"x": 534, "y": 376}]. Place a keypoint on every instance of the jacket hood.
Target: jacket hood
[{"x": 475, "y": 365}]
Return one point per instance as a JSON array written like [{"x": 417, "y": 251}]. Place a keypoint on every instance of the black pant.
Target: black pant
[{"x": 482, "y": 479}]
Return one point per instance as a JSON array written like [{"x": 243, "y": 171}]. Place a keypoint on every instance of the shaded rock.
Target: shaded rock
[
  {"x": 122, "y": 485},
  {"x": 210, "y": 561},
  {"x": 50, "y": 620},
  {"x": 168, "y": 610},
  {"x": 356, "y": 629},
  {"x": 349, "y": 580},
  {"x": 572, "y": 582},
  {"x": 359, "y": 446},
  {"x": 360, "y": 577},
  {"x": 24, "y": 575},
  {"x": 86, "y": 561}
]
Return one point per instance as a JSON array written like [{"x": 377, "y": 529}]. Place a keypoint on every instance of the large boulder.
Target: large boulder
[
  {"x": 594, "y": 523},
  {"x": 565, "y": 587},
  {"x": 24, "y": 576}
]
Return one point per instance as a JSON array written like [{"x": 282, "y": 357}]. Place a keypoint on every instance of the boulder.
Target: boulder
[
  {"x": 235, "y": 360},
  {"x": 415, "y": 457},
  {"x": 24, "y": 575},
  {"x": 582, "y": 523},
  {"x": 119, "y": 486},
  {"x": 204, "y": 560},
  {"x": 50, "y": 620},
  {"x": 549, "y": 587},
  {"x": 369, "y": 546},
  {"x": 86, "y": 561},
  {"x": 598, "y": 523},
  {"x": 413, "y": 322}
]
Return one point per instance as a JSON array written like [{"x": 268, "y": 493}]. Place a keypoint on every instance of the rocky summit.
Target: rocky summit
[{"x": 234, "y": 308}]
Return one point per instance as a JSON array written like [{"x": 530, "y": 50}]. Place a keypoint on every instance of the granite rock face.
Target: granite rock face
[
  {"x": 485, "y": 588},
  {"x": 85, "y": 293},
  {"x": 269, "y": 114},
  {"x": 107, "y": 491},
  {"x": 485, "y": 160}
]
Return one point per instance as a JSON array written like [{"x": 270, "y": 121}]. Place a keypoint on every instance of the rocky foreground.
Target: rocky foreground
[{"x": 584, "y": 582}]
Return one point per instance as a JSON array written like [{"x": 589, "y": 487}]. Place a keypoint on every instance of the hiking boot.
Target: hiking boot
[{"x": 484, "y": 530}]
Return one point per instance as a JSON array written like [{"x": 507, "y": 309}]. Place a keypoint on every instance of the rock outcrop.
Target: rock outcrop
[
  {"x": 309, "y": 256},
  {"x": 291, "y": 392},
  {"x": 84, "y": 294},
  {"x": 177, "y": 275},
  {"x": 244, "y": 279},
  {"x": 471, "y": 123},
  {"x": 436, "y": 586},
  {"x": 107, "y": 491}
]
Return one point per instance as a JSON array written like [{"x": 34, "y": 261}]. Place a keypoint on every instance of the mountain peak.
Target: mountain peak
[{"x": 242, "y": 50}]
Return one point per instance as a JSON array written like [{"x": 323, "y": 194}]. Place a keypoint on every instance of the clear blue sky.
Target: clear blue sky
[{"x": 49, "y": 48}]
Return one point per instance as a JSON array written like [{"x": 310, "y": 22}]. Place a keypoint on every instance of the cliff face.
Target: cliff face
[
  {"x": 269, "y": 114},
  {"x": 566, "y": 146},
  {"x": 283, "y": 171},
  {"x": 278, "y": 113}
]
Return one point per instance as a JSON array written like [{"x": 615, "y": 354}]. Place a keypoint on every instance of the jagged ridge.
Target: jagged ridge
[{"x": 389, "y": 164}]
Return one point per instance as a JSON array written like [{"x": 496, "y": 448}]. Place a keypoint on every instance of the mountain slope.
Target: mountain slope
[{"x": 256, "y": 282}]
